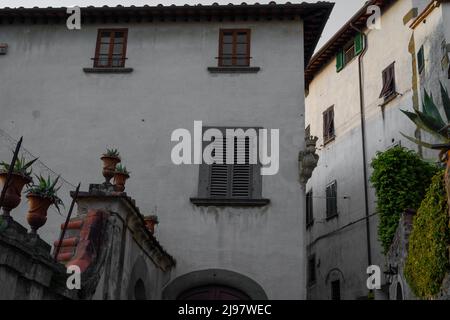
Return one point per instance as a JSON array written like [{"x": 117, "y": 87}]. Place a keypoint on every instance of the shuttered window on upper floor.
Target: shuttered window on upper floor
[
  {"x": 240, "y": 180},
  {"x": 328, "y": 125},
  {"x": 331, "y": 198},
  {"x": 388, "y": 76},
  {"x": 350, "y": 51}
]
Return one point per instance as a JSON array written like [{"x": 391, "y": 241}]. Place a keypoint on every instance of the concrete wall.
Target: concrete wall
[
  {"x": 68, "y": 118},
  {"x": 337, "y": 244}
]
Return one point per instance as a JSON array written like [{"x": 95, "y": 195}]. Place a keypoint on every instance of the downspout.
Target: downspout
[{"x": 363, "y": 141}]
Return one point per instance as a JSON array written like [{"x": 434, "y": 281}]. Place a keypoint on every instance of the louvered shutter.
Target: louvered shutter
[
  {"x": 220, "y": 173},
  {"x": 241, "y": 169},
  {"x": 359, "y": 43},
  {"x": 340, "y": 61}
]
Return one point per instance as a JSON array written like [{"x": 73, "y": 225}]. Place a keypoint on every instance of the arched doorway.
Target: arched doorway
[
  {"x": 139, "y": 290},
  {"x": 213, "y": 292},
  {"x": 213, "y": 284}
]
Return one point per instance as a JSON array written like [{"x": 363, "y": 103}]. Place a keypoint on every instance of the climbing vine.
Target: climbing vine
[
  {"x": 400, "y": 178},
  {"x": 427, "y": 262}
]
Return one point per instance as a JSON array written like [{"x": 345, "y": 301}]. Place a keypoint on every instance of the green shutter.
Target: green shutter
[
  {"x": 340, "y": 61},
  {"x": 359, "y": 43}
]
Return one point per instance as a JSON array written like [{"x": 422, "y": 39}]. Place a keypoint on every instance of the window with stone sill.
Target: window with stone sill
[
  {"x": 388, "y": 90},
  {"x": 111, "y": 48},
  {"x": 237, "y": 184}
]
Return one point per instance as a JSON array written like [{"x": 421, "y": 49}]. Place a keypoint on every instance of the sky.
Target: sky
[{"x": 343, "y": 10}]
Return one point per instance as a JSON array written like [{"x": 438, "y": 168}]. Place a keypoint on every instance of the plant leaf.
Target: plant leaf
[
  {"x": 445, "y": 101},
  {"x": 418, "y": 142},
  {"x": 430, "y": 109},
  {"x": 418, "y": 121}
]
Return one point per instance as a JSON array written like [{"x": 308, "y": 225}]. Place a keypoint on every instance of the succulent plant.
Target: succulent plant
[
  {"x": 122, "y": 169},
  {"x": 21, "y": 167},
  {"x": 46, "y": 188},
  {"x": 112, "y": 153},
  {"x": 430, "y": 120}
]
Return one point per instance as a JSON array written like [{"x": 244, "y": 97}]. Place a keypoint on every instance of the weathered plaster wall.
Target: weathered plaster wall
[{"x": 68, "y": 118}]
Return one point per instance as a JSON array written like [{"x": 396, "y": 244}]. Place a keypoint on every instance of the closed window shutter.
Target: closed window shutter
[
  {"x": 220, "y": 173},
  {"x": 421, "y": 60},
  {"x": 236, "y": 180},
  {"x": 359, "y": 43},
  {"x": 241, "y": 173},
  {"x": 340, "y": 61}
]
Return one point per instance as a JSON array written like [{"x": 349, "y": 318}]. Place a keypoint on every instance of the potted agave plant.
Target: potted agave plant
[
  {"x": 40, "y": 197},
  {"x": 21, "y": 176},
  {"x": 120, "y": 177},
  {"x": 110, "y": 160}
]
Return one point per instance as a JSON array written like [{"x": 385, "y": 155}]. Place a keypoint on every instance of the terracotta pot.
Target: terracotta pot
[
  {"x": 150, "y": 223},
  {"x": 119, "y": 181},
  {"x": 37, "y": 211},
  {"x": 14, "y": 190},
  {"x": 109, "y": 167}
]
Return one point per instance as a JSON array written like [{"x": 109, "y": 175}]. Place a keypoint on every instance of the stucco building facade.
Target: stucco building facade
[{"x": 128, "y": 79}]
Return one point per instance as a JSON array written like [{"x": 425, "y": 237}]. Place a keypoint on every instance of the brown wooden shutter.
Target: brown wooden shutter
[{"x": 388, "y": 82}]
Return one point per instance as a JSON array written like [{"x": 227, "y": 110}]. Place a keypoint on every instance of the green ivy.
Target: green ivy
[
  {"x": 400, "y": 179},
  {"x": 427, "y": 262}
]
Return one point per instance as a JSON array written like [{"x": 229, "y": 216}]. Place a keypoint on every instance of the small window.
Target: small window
[
  {"x": 350, "y": 51},
  {"x": 240, "y": 180},
  {"x": 421, "y": 60},
  {"x": 309, "y": 209},
  {"x": 388, "y": 89},
  {"x": 234, "y": 48},
  {"x": 331, "y": 196},
  {"x": 111, "y": 48},
  {"x": 139, "y": 290},
  {"x": 328, "y": 125},
  {"x": 336, "y": 290}
]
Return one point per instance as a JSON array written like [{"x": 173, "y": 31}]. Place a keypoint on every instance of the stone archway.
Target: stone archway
[
  {"x": 138, "y": 285},
  {"x": 214, "y": 284}
]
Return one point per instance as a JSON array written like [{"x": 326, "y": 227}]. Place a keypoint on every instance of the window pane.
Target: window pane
[
  {"x": 241, "y": 37},
  {"x": 102, "y": 60},
  {"x": 105, "y": 37},
  {"x": 117, "y": 61},
  {"x": 227, "y": 37},
  {"x": 118, "y": 49},
  {"x": 241, "y": 49},
  {"x": 227, "y": 49},
  {"x": 118, "y": 36},
  {"x": 226, "y": 62},
  {"x": 104, "y": 49}
]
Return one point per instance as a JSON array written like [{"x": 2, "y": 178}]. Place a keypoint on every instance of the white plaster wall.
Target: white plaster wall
[
  {"x": 342, "y": 160},
  {"x": 68, "y": 118}
]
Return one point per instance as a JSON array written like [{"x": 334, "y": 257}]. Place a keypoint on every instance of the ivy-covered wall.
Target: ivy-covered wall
[
  {"x": 400, "y": 178},
  {"x": 428, "y": 262}
]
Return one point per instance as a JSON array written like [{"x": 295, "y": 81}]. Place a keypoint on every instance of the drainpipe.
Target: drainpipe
[{"x": 363, "y": 141}]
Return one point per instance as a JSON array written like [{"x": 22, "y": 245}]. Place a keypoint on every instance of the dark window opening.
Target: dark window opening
[
  {"x": 349, "y": 53},
  {"x": 399, "y": 295},
  {"x": 309, "y": 209},
  {"x": 111, "y": 48},
  {"x": 331, "y": 196},
  {"x": 336, "y": 290},
  {"x": 388, "y": 89},
  {"x": 312, "y": 270},
  {"x": 421, "y": 59},
  {"x": 234, "y": 48},
  {"x": 328, "y": 125},
  {"x": 139, "y": 290}
]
